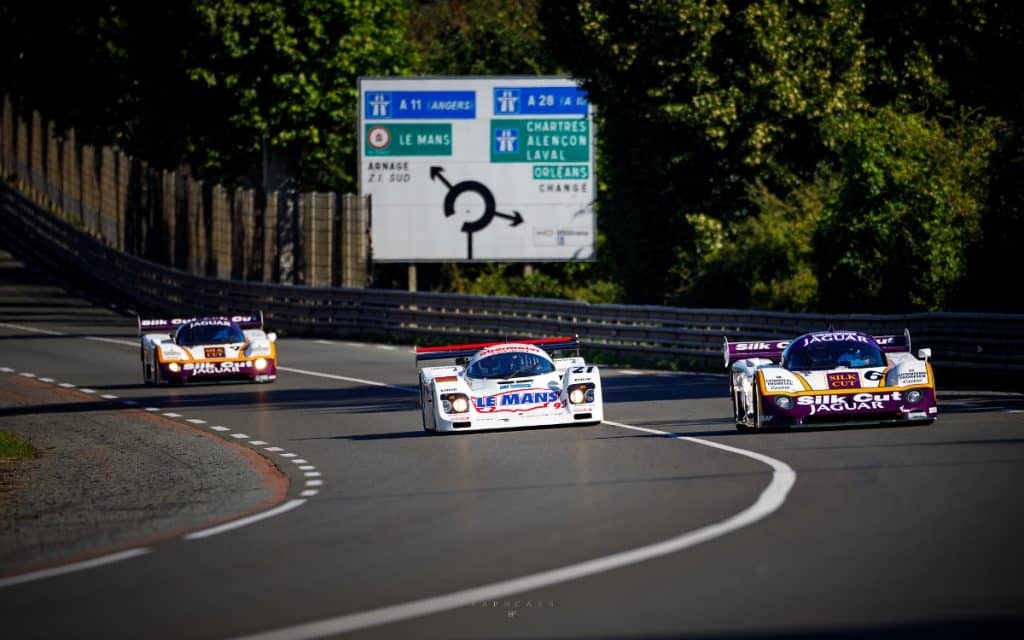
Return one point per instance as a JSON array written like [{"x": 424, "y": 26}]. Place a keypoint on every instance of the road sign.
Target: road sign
[{"x": 478, "y": 168}]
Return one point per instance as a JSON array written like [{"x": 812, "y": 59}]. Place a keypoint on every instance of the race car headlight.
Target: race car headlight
[
  {"x": 260, "y": 364},
  {"x": 784, "y": 402},
  {"x": 455, "y": 403},
  {"x": 174, "y": 367},
  {"x": 913, "y": 396},
  {"x": 580, "y": 393}
]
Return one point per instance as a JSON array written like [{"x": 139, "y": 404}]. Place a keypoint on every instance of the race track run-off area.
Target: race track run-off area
[{"x": 661, "y": 522}]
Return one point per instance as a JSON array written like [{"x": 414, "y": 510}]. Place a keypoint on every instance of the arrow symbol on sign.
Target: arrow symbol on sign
[
  {"x": 438, "y": 173},
  {"x": 515, "y": 217}
]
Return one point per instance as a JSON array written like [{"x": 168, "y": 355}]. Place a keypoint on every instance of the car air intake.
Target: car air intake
[
  {"x": 581, "y": 416},
  {"x": 461, "y": 425}
]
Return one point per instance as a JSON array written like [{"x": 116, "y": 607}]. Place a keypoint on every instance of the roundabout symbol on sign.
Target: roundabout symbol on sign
[{"x": 490, "y": 211}]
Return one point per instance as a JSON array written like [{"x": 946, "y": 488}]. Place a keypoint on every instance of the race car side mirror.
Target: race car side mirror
[
  {"x": 924, "y": 354},
  {"x": 272, "y": 336}
]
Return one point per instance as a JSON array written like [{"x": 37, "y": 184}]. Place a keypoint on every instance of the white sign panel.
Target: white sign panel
[{"x": 478, "y": 168}]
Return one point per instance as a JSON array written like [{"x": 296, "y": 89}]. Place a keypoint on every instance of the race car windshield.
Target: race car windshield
[
  {"x": 190, "y": 335},
  {"x": 832, "y": 355},
  {"x": 510, "y": 365}
]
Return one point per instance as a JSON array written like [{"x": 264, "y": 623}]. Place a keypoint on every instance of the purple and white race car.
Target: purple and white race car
[
  {"x": 207, "y": 349},
  {"x": 829, "y": 378}
]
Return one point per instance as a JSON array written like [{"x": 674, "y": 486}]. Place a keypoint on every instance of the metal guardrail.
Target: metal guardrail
[{"x": 690, "y": 337}]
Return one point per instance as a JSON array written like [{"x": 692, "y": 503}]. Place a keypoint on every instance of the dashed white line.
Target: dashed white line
[
  {"x": 195, "y": 421},
  {"x": 171, "y": 415},
  {"x": 108, "y": 396},
  {"x": 69, "y": 568},
  {"x": 112, "y": 341},
  {"x": 314, "y": 483},
  {"x": 87, "y": 390},
  {"x": 220, "y": 428},
  {"x": 66, "y": 385},
  {"x": 21, "y": 327},
  {"x": 257, "y": 442},
  {"x": 273, "y": 449},
  {"x": 308, "y": 493},
  {"x": 240, "y": 436},
  {"x": 7, "y": 369},
  {"x": 152, "y": 409},
  {"x": 299, "y": 460},
  {"x": 331, "y": 376},
  {"x": 46, "y": 380},
  {"x": 307, "y": 467},
  {"x": 313, "y": 474},
  {"x": 26, "y": 374},
  {"x": 288, "y": 455}
]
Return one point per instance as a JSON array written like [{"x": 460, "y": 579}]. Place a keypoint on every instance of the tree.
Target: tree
[{"x": 907, "y": 212}]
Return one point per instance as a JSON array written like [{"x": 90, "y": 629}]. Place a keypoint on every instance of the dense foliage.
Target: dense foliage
[{"x": 834, "y": 155}]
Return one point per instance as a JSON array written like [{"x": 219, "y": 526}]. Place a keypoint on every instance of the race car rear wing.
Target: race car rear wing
[
  {"x": 163, "y": 325},
  {"x": 769, "y": 349},
  {"x": 772, "y": 349},
  {"x": 894, "y": 342},
  {"x": 468, "y": 350}
]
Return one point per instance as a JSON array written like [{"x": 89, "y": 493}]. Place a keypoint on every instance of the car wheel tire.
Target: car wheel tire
[{"x": 423, "y": 411}]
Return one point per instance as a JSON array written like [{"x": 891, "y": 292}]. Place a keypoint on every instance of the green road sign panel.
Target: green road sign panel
[
  {"x": 546, "y": 140},
  {"x": 395, "y": 139}
]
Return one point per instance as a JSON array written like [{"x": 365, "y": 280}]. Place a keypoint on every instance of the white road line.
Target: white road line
[
  {"x": 273, "y": 449},
  {"x": 331, "y": 376},
  {"x": 7, "y": 369},
  {"x": 324, "y": 342},
  {"x": 108, "y": 396},
  {"x": 770, "y": 500},
  {"x": 69, "y": 568},
  {"x": 26, "y": 374},
  {"x": 46, "y": 380},
  {"x": 314, "y": 483},
  {"x": 87, "y": 390},
  {"x": 220, "y": 428},
  {"x": 309, "y": 493},
  {"x": 240, "y": 436},
  {"x": 387, "y": 347},
  {"x": 113, "y": 341},
  {"x": 288, "y": 455},
  {"x": 276, "y": 511},
  {"x": 313, "y": 474},
  {"x": 256, "y": 443},
  {"x": 307, "y": 467},
  {"x": 171, "y": 415},
  {"x": 152, "y": 409},
  {"x": 298, "y": 460},
  {"x": 196, "y": 421},
  {"x": 66, "y": 385},
  {"x": 21, "y": 327}
]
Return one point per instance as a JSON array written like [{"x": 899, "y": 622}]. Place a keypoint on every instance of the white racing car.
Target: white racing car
[{"x": 508, "y": 385}]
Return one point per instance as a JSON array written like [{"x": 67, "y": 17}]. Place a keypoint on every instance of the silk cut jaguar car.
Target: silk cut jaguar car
[
  {"x": 207, "y": 349},
  {"x": 508, "y": 385},
  {"x": 830, "y": 378}
]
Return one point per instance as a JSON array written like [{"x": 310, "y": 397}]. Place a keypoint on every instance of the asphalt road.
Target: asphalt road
[{"x": 687, "y": 529}]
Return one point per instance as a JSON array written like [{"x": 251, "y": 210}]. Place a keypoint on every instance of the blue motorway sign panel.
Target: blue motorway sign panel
[{"x": 419, "y": 105}]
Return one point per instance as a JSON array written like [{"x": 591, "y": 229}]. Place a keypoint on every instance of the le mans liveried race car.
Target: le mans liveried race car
[
  {"x": 207, "y": 349},
  {"x": 508, "y": 385},
  {"x": 830, "y": 378}
]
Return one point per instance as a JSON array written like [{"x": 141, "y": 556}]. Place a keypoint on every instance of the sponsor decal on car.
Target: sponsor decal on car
[
  {"x": 760, "y": 346},
  {"x": 527, "y": 400},
  {"x": 833, "y": 403},
  {"x": 843, "y": 380},
  {"x": 833, "y": 337},
  {"x": 778, "y": 384},
  {"x": 206, "y": 368},
  {"x": 913, "y": 377},
  {"x": 517, "y": 385},
  {"x": 213, "y": 352}
]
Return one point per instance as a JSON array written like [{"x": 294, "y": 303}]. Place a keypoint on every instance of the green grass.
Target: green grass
[{"x": 12, "y": 446}]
